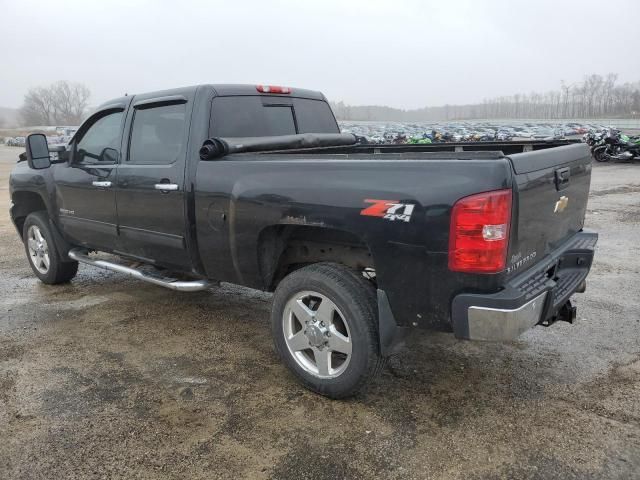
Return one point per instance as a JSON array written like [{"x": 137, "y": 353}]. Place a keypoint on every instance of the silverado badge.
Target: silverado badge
[{"x": 561, "y": 204}]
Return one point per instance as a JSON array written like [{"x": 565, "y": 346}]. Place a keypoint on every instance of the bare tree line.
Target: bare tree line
[
  {"x": 65, "y": 103},
  {"x": 595, "y": 97},
  {"x": 61, "y": 103}
]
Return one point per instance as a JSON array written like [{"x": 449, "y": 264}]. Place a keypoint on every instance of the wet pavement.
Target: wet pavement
[{"x": 108, "y": 377}]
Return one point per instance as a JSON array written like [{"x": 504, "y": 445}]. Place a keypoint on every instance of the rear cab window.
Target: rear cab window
[{"x": 264, "y": 116}]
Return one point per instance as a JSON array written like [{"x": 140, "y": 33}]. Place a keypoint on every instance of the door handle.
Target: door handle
[
  {"x": 166, "y": 187},
  {"x": 101, "y": 184},
  {"x": 562, "y": 176}
]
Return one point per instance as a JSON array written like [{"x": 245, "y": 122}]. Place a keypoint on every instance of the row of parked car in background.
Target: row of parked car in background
[
  {"x": 55, "y": 136},
  {"x": 14, "y": 141},
  {"x": 393, "y": 132},
  {"x": 606, "y": 143}
]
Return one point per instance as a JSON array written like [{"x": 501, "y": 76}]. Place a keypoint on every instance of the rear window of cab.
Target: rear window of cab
[{"x": 265, "y": 116}]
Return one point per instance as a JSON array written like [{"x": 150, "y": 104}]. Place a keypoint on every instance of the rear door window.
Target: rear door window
[{"x": 157, "y": 135}]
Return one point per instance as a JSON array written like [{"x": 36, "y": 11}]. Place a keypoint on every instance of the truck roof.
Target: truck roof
[{"x": 223, "y": 90}]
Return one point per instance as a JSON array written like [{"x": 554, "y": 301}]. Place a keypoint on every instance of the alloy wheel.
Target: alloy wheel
[
  {"x": 38, "y": 249},
  {"x": 317, "y": 334}
]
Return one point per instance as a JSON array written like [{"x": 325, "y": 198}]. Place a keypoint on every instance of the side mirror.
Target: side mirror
[
  {"x": 109, "y": 155},
  {"x": 38, "y": 151}
]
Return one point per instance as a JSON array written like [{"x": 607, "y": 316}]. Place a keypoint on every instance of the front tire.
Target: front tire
[
  {"x": 600, "y": 155},
  {"x": 44, "y": 258},
  {"x": 324, "y": 325}
]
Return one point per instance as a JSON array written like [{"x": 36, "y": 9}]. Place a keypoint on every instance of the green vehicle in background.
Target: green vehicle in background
[{"x": 419, "y": 141}]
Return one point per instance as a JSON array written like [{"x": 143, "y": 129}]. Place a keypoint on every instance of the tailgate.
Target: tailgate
[{"x": 551, "y": 190}]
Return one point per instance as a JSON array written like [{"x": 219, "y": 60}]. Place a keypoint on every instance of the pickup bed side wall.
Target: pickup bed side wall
[{"x": 239, "y": 196}]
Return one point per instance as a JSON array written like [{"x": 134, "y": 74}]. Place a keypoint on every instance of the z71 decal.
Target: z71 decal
[{"x": 389, "y": 210}]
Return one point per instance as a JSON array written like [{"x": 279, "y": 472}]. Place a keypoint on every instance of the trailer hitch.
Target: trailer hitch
[{"x": 566, "y": 313}]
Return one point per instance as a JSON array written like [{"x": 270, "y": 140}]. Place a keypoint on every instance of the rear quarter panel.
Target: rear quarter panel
[{"x": 239, "y": 196}]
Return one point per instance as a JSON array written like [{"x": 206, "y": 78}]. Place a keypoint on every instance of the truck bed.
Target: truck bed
[
  {"x": 343, "y": 143},
  {"x": 328, "y": 187},
  {"x": 507, "y": 148}
]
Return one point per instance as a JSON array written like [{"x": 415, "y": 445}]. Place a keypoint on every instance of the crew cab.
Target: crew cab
[{"x": 361, "y": 244}]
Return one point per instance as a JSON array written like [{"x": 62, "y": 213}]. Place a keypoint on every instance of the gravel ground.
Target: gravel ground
[{"x": 107, "y": 377}]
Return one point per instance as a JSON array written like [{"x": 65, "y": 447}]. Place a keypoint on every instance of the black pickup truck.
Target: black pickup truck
[{"x": 255, "y": 185}]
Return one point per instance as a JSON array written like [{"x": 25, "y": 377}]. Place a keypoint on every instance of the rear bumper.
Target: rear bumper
[{"x": 530, "y": 298}]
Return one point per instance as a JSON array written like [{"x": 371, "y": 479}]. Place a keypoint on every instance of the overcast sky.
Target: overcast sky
[{"x": 405, "y": 54}]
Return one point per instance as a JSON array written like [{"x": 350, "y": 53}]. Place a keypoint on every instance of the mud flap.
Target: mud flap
[
  {"x": 62, "y": 245},
  {"x": 391, "y": 335}
]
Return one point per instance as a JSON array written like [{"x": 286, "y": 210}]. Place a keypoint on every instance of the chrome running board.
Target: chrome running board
[{"x": 82, "y": 256}]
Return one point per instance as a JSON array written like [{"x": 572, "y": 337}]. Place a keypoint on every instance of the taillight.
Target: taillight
[
  {"x": 479, "y": 234},
  {"x": 272, "y": 89}
]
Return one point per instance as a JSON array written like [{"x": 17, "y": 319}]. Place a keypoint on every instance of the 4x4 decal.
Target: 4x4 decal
[{"x": 388, "y": 209}]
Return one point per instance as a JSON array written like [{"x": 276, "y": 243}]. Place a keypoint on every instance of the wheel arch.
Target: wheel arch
[
  {"x": 284, "y": 248},
  {"x": 25, "y": 202}
]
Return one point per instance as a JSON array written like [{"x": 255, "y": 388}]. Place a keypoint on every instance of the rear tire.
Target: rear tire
[
  {"x": 44, "y": 258},
  {"x": 324, "y": 324}
]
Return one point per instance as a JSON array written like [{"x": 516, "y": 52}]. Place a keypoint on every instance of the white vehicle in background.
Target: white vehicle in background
[
  {"x": 15, "y": 142},
  {"x": 56, "y": 140},
  {"x": 547, "y": 134},
  {"x": 66, "y": 131},
  {"x": 504, "y": 135},
  {"x": 523, "y": 134}
]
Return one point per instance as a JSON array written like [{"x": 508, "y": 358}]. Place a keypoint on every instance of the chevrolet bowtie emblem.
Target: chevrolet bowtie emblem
[{"x": 561, "y": 204}]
